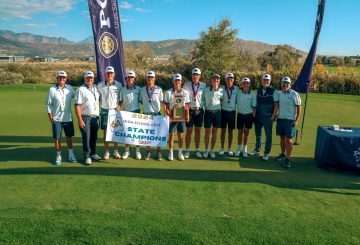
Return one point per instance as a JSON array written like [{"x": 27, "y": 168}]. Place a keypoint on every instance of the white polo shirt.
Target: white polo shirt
[
  {"x": 109, "y": 94},
  {"x": 58, "y": 103},
  {"x": 229, "y": 104},
  {"x": 129, "y": 97},
  {"x": 169, "y": 98},
  {"x": 195, "y": 93},
  {"x": 212, "y": 98},
  {"x": 245, "y": 102},
  {"x": 88, "y": 100},
  {"x": 151, "y": 104},
  {"x": 287, "y": 104}
]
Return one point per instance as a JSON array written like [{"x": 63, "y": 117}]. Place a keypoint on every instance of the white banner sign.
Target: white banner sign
[{"x": 137, "y": 129}]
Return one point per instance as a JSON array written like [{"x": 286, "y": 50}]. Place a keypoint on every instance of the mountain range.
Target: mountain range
[{"x": 37, "y": 45}]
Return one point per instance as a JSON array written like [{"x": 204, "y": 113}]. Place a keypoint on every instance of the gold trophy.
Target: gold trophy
[{"x": 178, "y": 110}]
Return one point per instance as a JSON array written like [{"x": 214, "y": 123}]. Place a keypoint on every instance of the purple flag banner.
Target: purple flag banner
[
  {"x": 303, "y": 81},
  {"x": 105, "y": 19}
]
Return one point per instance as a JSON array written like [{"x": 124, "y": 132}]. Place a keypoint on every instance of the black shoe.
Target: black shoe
[
  {"x": 279, "y": 158},
  {"x": 286, "y": 163}
]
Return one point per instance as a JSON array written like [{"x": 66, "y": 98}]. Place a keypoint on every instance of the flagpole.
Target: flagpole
[{"x": 302, "y": 123}]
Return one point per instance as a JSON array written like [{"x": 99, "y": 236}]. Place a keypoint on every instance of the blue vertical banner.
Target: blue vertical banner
[
  {"x": 105, "y": 19},
  {"x": 303, "y": 81}
]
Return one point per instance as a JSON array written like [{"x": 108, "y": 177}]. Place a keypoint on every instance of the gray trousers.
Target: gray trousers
[
  {"x": 89, "y": 135},
  {"x": 265, "y": 123}
]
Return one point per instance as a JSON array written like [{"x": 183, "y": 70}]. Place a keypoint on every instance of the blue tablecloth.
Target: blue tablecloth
[{"x": 337, "y": 148}]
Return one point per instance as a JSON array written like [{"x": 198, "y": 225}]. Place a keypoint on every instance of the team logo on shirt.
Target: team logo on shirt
[{"x": 108, "y": 44}]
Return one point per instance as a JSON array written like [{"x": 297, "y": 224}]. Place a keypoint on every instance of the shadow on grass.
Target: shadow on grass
[
  {"x": 33, "y": 139},
  {"x": 304, "y": 175},
  {"x": 318, "y": 181}
]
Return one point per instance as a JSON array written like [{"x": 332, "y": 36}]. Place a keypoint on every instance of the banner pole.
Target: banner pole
[{"x": 302, "y": 124}]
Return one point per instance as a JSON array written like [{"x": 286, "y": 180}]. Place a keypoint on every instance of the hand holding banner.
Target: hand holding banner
[{"x": 137, "y": 129}]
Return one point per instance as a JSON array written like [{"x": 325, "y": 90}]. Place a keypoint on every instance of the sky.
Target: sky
[{"x": 272, "y": 21}]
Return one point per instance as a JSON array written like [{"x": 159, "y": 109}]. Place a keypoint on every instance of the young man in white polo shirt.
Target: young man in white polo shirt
[
  {"x": 196, "y": 89},
  {"x": 109, "y": 99},
  {"x": 151, "y": 96},
  {"x": 228, "y": 112},
  {"x": 87, "y": 112},
  {"x": 129, "y": 100},
  {"x": 176, "y": 126},
  {"x": 289, "y": 108},
  {"x": 58, "y": 104},
  {"x": 246, "y": 107},
  {"x": 213, "y": 95}
]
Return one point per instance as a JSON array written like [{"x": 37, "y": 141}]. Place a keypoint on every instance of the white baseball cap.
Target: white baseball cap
[
  {"x": 177, "y": 77},
  {"x": 150, "y": 74},
  {"x": 109, "y": 69},
  {"x": 286, "y": 80},
  {"x": 266, "y": 77},
  {"x": 196, "y": 71},
  {"x": 88, "y": 74},
  {"x": 130, "y": 74},
  {"x": 245, "y": 80},
  {"x": 215, "y": 75},
  {"x": 229, "y": 74},
  {"x": 61, "y": 74}
]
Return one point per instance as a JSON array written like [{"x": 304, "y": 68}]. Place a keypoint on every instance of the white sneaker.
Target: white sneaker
[
  {"x": 117, "y": 155},
  {"x": 265, "y": 157},
  {"x": 126, "y": 155},
  {"x": 254, "y": 153},
  {"x": 198, "y": 154},
  {"x": 221, "y": 153},
  {"x": 57, "y": 160},
  {"x": 106, "y": 156},
  {"x": 138, "y": 155},
  {"x": 187, "y": 154},
  {"x": 212, "y": 155},
  {"x": 95, "y": 157},
  {"x": 72, "y": 158},
  {"x": 237, "y": 153},
  {"x": 205, "y": 155},
  {"x": 88, "y": 161},
  {"x": 230, "y": 153},
  {"x": 245, "y": 154},
  {"x": 181, "y": 156},
  {"x": 171, "y": 156}
]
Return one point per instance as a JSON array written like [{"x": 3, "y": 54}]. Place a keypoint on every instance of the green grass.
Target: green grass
[
  {"x": 346, "y": 69},
  {"x": 193, "y": 202}
]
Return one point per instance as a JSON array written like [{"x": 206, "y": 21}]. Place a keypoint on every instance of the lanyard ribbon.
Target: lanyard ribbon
[
  {"x": 193, "y": 90},
  {"x": 229, "y": 94},
  {"x": 152, "y": 91}
]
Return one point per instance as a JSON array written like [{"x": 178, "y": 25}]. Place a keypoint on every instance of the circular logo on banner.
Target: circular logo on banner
[{"x": 108, "y": 44}]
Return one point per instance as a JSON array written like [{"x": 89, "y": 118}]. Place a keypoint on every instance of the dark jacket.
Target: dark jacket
[{"x": 265, "y": 102}]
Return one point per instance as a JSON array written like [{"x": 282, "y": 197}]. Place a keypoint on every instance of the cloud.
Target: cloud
[
  {"x": 34, "y": 25},
  {"x": 141, "y": 10},
  {"x": 25, "y": 9},
  {"x": 125, "y": 5}
]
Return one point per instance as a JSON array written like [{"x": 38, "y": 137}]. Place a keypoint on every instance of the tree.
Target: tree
[
  {"x": 215, "y": 51},
  {"x": 284, "y": 57}
]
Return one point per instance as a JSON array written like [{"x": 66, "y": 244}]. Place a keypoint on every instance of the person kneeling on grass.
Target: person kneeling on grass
[
  {"x": 246, "y": 107},
  {"x": 213, "y": 96},
  {"x": 180, "y": 96},
  {"x": 289, "y": 107}
]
